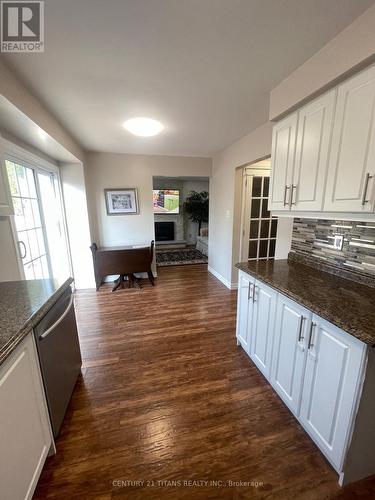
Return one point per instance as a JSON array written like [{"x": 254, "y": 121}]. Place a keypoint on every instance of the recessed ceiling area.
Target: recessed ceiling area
[
  {"x": 203, "y": 68},
  {"x": 18, "y": 127}
]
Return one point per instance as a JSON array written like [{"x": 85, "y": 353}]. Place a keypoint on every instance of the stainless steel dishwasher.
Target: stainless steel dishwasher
[{"x": 59, "y": 356}]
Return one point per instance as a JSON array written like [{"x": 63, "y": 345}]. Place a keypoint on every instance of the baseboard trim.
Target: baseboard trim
[{"x": 228, "y": 284}]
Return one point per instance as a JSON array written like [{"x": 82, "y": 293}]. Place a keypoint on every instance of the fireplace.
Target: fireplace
[{"x": 164, "y": 231}]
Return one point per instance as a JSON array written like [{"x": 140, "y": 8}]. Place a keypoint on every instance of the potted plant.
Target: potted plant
[{"x": 196, "y": 206}]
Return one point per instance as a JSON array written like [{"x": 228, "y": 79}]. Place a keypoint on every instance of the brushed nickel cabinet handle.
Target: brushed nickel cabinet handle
[
  {"x": 285, "y": 193},
  {"x": 310, "y": 345},
  {"x": 300, "y": 337},
  {"x": 364, "y": 196},
  {"x": 254, "y": 292},
  {"x": 294, "y": 188},
  {"x": 250, "y": 289}
]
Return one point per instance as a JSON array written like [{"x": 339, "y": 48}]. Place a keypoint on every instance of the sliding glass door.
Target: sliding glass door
[{"x": 38, "y": 221}]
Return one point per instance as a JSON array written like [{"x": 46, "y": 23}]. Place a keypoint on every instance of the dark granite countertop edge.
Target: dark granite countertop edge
[
  {"x": 32, "y": 321},
  {"x": 331, "y": 318}
]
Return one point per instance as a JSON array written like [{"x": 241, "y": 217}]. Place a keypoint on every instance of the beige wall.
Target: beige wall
[
  {"x": 225, "y": 200},
  {"x": 351, "y": 49},
  {"x": 106, "y": 170}
]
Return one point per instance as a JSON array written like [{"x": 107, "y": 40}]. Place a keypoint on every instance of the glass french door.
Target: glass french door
[
  {"x": 259, "y": 227},
  {"x": 38, "y": 222}
]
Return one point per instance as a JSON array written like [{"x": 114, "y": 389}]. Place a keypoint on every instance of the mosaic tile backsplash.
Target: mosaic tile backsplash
[{"x": 315, "y": 239}]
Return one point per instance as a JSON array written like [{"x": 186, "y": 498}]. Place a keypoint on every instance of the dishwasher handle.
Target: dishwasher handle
[{"x": 56, "y": 323}]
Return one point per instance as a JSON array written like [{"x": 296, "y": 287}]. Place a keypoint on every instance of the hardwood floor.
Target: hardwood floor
[{"x": 166, "y": 395}]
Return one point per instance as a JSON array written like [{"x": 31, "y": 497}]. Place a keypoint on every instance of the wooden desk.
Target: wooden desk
[{"x": 124, "y": 261}]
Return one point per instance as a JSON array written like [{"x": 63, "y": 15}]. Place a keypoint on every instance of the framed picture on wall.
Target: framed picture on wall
[{"x": 123, "y": 201}]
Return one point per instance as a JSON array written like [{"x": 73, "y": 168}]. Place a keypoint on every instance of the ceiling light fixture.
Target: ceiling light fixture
[{"x": 144, "y": 127}]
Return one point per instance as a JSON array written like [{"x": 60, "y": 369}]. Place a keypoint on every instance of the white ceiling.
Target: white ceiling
[{"x": 204, "y": 68}]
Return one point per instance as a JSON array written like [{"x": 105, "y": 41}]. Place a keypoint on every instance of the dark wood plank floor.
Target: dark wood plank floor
[{"x": 166, "y": 395}]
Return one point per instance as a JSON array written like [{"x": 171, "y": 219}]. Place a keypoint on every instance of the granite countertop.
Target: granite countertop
[
  {"x": 346, "y": 304},
  {"x": 22, "y": 305}
]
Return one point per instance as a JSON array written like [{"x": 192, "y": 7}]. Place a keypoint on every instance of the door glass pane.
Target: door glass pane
[
  {"x": 263, "y": 226},
  {"x": 28, "y": 221},
  {"x": 254, "y": 229},
  {"x": 266, "y": 186},
  {"x": 263, "y": 247},
  {"x": 253, "y": 248},
  {"x": 54, "y": 224},
  {"x": 255, "y": 208},
  {"x": 257, "y": 187}
]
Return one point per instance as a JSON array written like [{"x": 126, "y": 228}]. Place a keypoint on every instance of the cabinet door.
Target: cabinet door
[
  {"x": 350, "y": 183},
  {"x": 315, "y": 123},
  {"x": 25, "y": 435},
  {"x": 333, "y": 370},
  {"x": 292, "y": 324},
  {"x": 263, "y": 322},
  {"x": 282, "y": 159},
  {"x": 244, "y": 309}
]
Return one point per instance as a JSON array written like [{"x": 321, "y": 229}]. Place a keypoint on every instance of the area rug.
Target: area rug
[{"x": 180, "y": 257}]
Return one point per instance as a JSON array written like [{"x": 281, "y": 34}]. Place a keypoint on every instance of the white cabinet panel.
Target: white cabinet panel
[
  {"x": 333, "y": 368},
  {"x": 262, "y": 327},
  {"x": 283, "y": 149},
  {"x": 313, "y": 140},
  {"x": 292, "y": 324},
  {"x": 350, "y": 183},
  {"x": 244, "y": 309},
  {"x": 25, "y": 436}
]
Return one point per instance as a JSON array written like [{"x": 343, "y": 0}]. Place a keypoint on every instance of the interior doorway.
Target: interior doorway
[
  {"x": 180, "y": 206},
  {"x": 258, "y": 227}
]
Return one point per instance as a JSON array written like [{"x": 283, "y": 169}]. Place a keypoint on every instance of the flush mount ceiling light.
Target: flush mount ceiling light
[{"x": 144, "y": 127}]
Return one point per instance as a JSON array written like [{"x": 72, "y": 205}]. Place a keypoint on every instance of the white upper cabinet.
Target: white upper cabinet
[
  {"x": 323, "y": 155},
  {"x": 350, "y": 184},
  {"x": 312, "y": 149},
  {"x": 291, "y": 327},
  {"x": 332, "y": 379},
  {"x": 244, "y": 309},
  {"x": 283, "y": 149},
  {"x": 264, "y": 299}
]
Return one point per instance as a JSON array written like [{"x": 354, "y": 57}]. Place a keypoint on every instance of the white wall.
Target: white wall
[
  {"x": 105, "y": 170},
  {"x": 351, "y": 49},
  {"x": 74, "y": 194}
]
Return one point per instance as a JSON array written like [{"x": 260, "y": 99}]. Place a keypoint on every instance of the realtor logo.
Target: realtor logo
[{"x": 22, "y": 26}]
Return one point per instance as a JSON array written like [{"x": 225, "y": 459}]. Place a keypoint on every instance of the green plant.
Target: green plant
[{"x": 196, "y": 205}]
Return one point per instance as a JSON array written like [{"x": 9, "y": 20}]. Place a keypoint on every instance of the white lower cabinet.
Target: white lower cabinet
[
  {"x": 291, "y": 328},
  {"x": 316, "y": 368},
  {"x": 261, "y": 336},
  {"x": 25, "y": 433},
  {"x": 244, "y": 309},
  {"x": 332, "y": 380}
]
